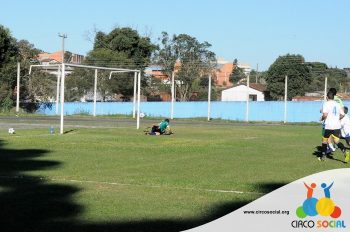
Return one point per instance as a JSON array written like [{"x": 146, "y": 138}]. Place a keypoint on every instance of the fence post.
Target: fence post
[{"x": 285, "y": 98}]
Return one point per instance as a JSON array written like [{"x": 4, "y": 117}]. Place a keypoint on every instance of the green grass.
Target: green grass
[{"x": 121, "y": 180}]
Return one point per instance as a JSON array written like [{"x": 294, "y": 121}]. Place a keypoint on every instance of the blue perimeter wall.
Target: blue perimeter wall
[{"x": 258, "y": 111}]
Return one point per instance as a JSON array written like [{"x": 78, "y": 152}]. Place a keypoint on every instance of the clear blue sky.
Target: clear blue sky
[{"x": 253, "y": 31}]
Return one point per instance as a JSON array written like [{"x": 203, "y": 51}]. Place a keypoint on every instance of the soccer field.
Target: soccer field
[{"x": 118, "y": 179}]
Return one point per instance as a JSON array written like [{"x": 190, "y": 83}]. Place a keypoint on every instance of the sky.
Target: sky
[{"x": 255, "y": 32}]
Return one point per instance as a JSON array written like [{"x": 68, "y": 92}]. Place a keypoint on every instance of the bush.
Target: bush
[{"x": 6, "y": 104}]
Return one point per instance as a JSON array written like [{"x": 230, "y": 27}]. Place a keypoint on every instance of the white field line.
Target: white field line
[
  {"x": 132, "y": 185},
  {"x": 247, "y": 138}
]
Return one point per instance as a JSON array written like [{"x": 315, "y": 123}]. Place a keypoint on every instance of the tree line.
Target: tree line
[{"x": 189, "y": 60}]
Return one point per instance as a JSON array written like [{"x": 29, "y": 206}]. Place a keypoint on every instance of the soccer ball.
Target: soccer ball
[
  {"x": 142, "y": 115},
  {"x": 11, "y": 131}
]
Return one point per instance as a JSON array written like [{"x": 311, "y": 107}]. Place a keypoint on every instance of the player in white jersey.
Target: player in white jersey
[
  {"x": 331, "y": 114},
  {"x": 345, "y": 132},
  {"x": 340, "y": 102},
  {"x": 345, "y": 125}
]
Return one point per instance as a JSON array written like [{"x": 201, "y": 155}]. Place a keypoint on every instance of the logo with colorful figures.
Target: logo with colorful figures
[{"x": 324, "y": 206}]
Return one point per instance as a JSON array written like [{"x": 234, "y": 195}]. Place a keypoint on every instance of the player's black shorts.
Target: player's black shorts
[{"x": 328, "y": 133}]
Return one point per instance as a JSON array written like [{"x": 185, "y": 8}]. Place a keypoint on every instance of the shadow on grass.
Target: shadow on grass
[
  {"x": 162, "y": 225},
  {"x": 268, "y": 187},
  {"x": 69, "y": 131},
  {"x": 30, "y": 203},
  {"x": 318, "y": 153}
]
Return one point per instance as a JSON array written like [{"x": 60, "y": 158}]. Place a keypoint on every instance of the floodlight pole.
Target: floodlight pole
[
  {"x": 64, "y": 36},
  {"x": 138, "y": 100},
  {"x": 285, "y": 98},
  {"x": 62, "y": 98},
  {"x": 18, "y": 86},
  {"x": 209, "y": 97},
  {"x": 172, "y": 95},
  {"x": 247, "y": 105},
  {"x": 95, "y": 93}
]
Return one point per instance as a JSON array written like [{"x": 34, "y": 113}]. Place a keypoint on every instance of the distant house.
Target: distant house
[
  {"x": 224, "y": 69},
  {"x": 221, "y": 74},
  {"x": 56, "y": 57},
  {"x": 239, "y": 93},
  {"x": 157, "y": 72},
  {"x": 307, "y": 98},
  {"x": 319, "y": 96},
  {"x": 310, "y": 96}
]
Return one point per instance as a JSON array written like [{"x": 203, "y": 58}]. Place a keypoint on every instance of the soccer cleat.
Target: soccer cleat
[
  {"x": 322, "y": 157},
  {"x": 347, "y": 157}
]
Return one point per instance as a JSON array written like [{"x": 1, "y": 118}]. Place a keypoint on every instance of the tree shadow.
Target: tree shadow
[
  {"x": 28, "y": 203},
  {"x": 161, "y": 225},
  {"x": 31, "y": 203},
  {"x": 268, "y": 187}
]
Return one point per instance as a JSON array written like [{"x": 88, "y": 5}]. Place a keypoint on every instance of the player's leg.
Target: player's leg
[
  {"x": 336, "y": 139},
  {"x": 330, "y": 143},
  {"x": 325, "y": 137}
]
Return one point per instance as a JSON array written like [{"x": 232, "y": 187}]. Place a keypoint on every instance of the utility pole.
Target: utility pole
[
  {"x": 60, "y": 71},
  {"x": 64, "y": 36},
  {"x": 257, "y": 73}
]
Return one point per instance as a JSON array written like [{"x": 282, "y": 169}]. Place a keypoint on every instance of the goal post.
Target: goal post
[{"x": 62, "y": 67}]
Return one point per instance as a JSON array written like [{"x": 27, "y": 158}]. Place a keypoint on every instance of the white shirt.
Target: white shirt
[
  {"x": 345, "y": 126},
  {"x": 333, "y": 111}
]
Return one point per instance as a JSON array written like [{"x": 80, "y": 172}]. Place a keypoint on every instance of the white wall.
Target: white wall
[{"x": 239, "y": 93}]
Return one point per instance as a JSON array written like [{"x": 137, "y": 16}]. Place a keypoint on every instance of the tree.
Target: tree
[
  {"x": 237, "y": 74},
  {"x": 194, "y": 59},
  {"x": 166, "y": 54},
  {"x": 204, "y": 89},
  {"x": 8, "y": 58},
  {"x": 127, "y": 41},
  {"x": 298, "y": 72},
  {"x": 338, "y": 79},
  {"x": 27, "y": 51},
  {"x": 28, "y": 56},
  {"x": 42, "y": 87},
  {"x": 122, "y": 48}
]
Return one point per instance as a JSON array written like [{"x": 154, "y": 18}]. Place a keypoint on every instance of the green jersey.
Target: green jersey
[
  {"x": 339, "y": 101},
  {"x": 163, "y": 125}
]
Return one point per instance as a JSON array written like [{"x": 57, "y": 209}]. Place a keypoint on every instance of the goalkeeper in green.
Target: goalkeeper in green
[{"x": 161, "y": 128}]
